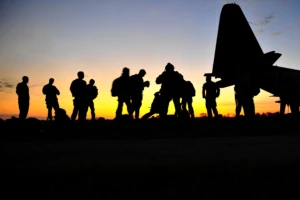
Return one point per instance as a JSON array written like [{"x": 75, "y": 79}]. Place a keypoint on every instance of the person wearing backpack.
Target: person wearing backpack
[
  {"x": 187, "y": 97},
  {"x": 121, "y": 89},
  {"x": 171, "y": 84},
  {"x": 136, "y": 88},
  {"x": 92, "y": 93}
]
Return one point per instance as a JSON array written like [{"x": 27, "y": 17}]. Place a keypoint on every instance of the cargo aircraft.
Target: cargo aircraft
[{"x": 238, "y": 52}]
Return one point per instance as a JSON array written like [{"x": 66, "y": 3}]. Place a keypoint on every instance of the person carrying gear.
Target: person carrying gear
[
  {"x": 51, "y": 93},
  {"x": 92, "y": 93},
  {"x": 78, "y": 90},
  {"x": 156, "y": 106},
  {"x": 187, "y": 98},
  {"x": 245, "y": 91},
  {"x": 171, "y": 85},
  {"x": 136, "y": 90},
  {"x": 210, "y": 91},
  {"x": 121, "y": 89}
]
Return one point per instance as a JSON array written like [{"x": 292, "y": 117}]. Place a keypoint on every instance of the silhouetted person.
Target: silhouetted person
[
  {"x": 156, "y": 106},
  {"x": 51, "y": 99},
  {"x": 137, "y": 86},
  {"x": 238, "y": 105},
  {"x": 284, "y": 94},
  {"x": 290, "y": 96},
  {"x": 22, "y": 91},
  {"x": 92, "y": 93},
  {"x": 121, "y": 89},
  {"x": 171, "y": 88},
  {"x": 245, "y": 91},
  {"x": 78, "y": 89},
  {"x": 210, "y": 91},
  {"x": 188, "y": 93},
  {"x": 61, "y": 118},
  {"x": 61, "y": 115}
]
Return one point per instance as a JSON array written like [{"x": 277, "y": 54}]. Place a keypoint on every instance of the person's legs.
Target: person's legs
[
  {"x": 49, "y": 107},
  {"x": 190, "y": 106},
  {"x": 92, "y": 108},
  {"x": 147, "y": 115},
  {"x": 176, "y": 101},
  {"x": 75, "y": 110},
  {"x": 23, "y": 107},
  {"x": 165, "y": 105}
]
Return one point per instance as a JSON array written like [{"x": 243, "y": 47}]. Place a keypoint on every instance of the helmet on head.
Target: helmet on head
[
  {"x": 169, "y": 67},
  {"x": 92, "y": 81},
  {"x": 80, "y": 74},
  {"x": 142, "y": 72},
  {"x": 51, "y": 80},
  {"x": 25, "y": 79}
]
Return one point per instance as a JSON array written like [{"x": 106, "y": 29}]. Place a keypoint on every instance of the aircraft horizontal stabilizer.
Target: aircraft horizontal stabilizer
[
  {"x": 270, "y": 58},
  {"x": 223, "y": 84}
]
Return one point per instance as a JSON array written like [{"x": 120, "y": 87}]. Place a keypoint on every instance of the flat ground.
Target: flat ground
[{"x": 153, "y": 158}]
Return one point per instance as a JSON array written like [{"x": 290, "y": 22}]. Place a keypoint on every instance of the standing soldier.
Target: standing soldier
[
  {"x": 172, "y": 82},
  {"x": 137, "y": 86},
  {"x": 187, "y": 97},
  {"x": 121, "y": 89},
  {"x": 51, "y": 99},
  {"x": 22, "y": 91},
  {"x": 92, "y": 93},
  {"x": 245, "y": 91},
  {"x": 78, "y": 90},
  {"x": 210, "y": 91},
  {"x": 238, "y": 104}
]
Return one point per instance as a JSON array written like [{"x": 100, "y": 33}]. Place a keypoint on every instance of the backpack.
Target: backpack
[
  {"x": 115, "y": 90},
  {"x": 191, "y": 89}
]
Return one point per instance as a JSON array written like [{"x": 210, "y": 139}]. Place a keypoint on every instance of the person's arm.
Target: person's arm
[
  {"x": 96, "y": 92},
  {"x": 72, "y": 88},
  {"x": 218, "y": 91},
  {"x": 57, "y": 91},
  {"x": 159, "y": 79},
  {"x": 146, "y": 84},
  {"x": 193, "y": 88},
  {"x": 203, "y": 91},
  {"x": 18, "y": 89}
]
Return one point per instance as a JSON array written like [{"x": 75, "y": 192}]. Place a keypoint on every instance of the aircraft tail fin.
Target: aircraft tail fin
[{"x": 237, "y": 48}]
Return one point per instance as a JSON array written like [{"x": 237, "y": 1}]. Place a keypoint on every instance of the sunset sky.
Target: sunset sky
[{"x": 57, "y": 38}]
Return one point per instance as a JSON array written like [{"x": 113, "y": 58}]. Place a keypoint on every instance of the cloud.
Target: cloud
[
  {"x": 276, "y": 34},
  {"x": 294, "y": 27},
  {"x": 259, "y": 31},
  {"x": 35, "y": 85},
  {"x": 267, "y": 20},
  {"x": 262, "y": 24},
  {"x": 5, "y": 84}
]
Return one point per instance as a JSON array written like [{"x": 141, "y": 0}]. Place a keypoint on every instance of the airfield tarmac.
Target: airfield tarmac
[{"x": 93, "y": 166}]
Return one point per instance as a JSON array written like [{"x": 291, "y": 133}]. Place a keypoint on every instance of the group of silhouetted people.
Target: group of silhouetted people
[
  {"x": 129, "y": 90},
  {"x": 83, "y": 94}
]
